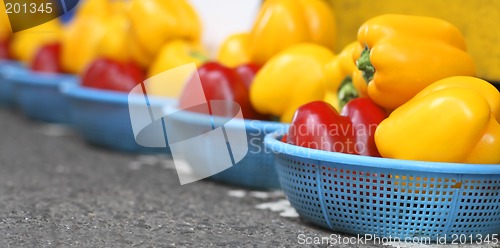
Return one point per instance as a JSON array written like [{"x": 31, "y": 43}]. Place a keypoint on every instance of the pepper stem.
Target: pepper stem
[
  {"x": 365, "y": 65},
  {"x": 199, "y": 56},
  {"x": 346, "y": 92}
]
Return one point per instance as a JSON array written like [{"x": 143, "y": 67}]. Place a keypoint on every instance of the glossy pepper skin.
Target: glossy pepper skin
[
  {"x": 282, "y": 23},
  {"x": 80, "y": 41},
  {"x": 5, "y": 29},
  {"x": 173, "y": 54},
  {"x": 234, "y": 51},
  {"x": 5, "y": 33},
  {"x": 292, "y": 78},
  {"x": 156, "y": 22},
  {"x": 455, "y": 119},
  {"x": 48, "y": 59},
  {"x": 399, "y": 55},
  {"x": 247, "y": 73},
  {"x": 25, "y": 44},
  {"x": 99, "y": 29},
  {"x": 219, "y": 83},
  {"x": 340, "y": 89},
  {"x": 176, "y": 53},
  {"x": 365, "y": 117},
  {"x": 116, "y": 41},
  {"x": 4, "y": 49},
  {"x": 108, "y": 74},
  {"x": 318, "y": 125}
]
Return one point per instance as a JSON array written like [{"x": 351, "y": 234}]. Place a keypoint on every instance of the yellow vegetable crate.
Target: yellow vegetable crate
[{"x": 475, "y": 19}]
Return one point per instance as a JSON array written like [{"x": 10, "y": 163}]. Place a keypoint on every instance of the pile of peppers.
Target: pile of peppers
[
  {"x": 114, "y": 45},
  {"x": 295, "y": 36},
  {"x": 405, "y": 90}
]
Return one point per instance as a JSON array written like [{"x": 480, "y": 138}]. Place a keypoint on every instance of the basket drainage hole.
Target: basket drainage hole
[{"x": 457, "y": 185}]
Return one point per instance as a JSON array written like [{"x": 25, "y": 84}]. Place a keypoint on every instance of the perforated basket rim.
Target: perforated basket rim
[
  {"x": 272, "y": 141},
  {"x": 28, "y": 77},
  {"x": 8, "y": 62},
  {"x": 10, "y": 68},
  {"x": 109, "y": 96},
  {"x": 250, "y": 124}
]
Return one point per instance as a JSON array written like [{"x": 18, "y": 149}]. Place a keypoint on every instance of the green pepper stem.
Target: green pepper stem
[
  {"x": 365, "y": 65},
  {"x": 199, "y": 56},
  {"x": 346, "y": 92}
]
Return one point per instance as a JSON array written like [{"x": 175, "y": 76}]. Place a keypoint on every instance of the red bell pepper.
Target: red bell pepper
[
  {"x": 4, "y": 49},
  {"x": 365, "y": 116},
  {"x": 48, "y": 59},
  {"x": 108, "y": 74},
  {"x": 247, "y": 73},
  {"x": 318, "y": 125},
  {"x": 221, "y": 83}
]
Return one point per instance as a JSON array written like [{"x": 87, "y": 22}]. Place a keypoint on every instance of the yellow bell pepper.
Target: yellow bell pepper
[
  {"x": 139, "y": 53},
  {"x": 399, "y": 55},
  {"x": 282, "y": 23},
  {"x": 115, "y": 43},
  {"x": 475, "y": 18},
  {"x": 79, "y": 43},
  {"x": 234, "y": 50},
  {"x": 339, "y": 84},
  {"x": 93, "y": 8},
  {"x": 455, "y": 119},
  {"x": 173, "y": 54},
  {"x": 26, "y": 43},
  {"x": 104, "y": 34},
  {"x": 177, "y": 53},
  {"x": 359, "y": 83},
  {"x": 5, "y": 30},
  {"x": 156, "y": 22},
  {"x": 294, "y": 77}
]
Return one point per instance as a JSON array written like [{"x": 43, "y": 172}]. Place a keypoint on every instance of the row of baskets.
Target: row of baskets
[
  {"x": 102, "y": 118},
  {"x": 345, "y": 193}
]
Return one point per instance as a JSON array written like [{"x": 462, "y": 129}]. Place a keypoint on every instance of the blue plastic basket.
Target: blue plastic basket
[
  {"x": 39, "y": 98},
  {"x": 8, "y": 69},
  {"x": 256, "y": 169},
  {"x": 387, "y": 197},
  {"x": 102, "y": 117}
]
